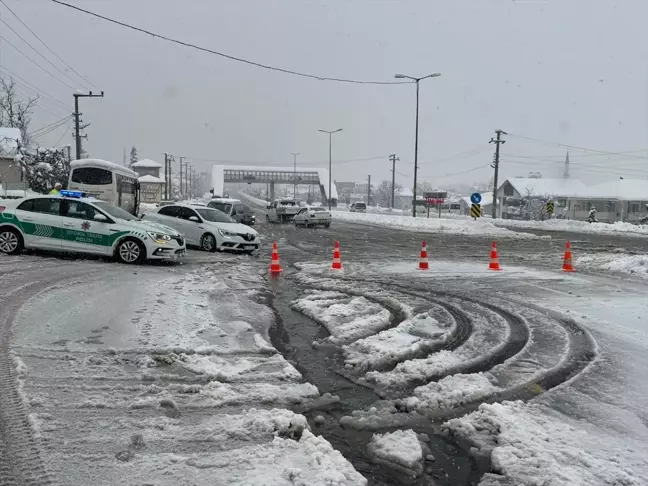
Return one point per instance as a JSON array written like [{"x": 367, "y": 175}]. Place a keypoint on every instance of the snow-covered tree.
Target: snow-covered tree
[
  {"x": 383, "y": 193},
  {"x": 15, "y": 112},
  {"x": 133, "y": 157},
  {"x": 44, "y": 168}
]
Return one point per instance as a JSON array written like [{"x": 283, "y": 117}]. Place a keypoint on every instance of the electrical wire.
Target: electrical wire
[
  {"x": 38, "y": 52},
  {"x": 67, "y": 129},
  {"x": 227, "y": 56},
  {"x": 573, "y": 147},
  {"x": 48, "y": 128},
  {"x": 45, "y": 45},
  {"x": 456, "y": 173},
  {"x": 38, "y": 65},
  {"x": 33, "y": 88}
]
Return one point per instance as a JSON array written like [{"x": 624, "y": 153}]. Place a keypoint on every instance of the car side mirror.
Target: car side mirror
[
  {"x": 194, "y": 219},
  {"x": 100, "y": 218}
]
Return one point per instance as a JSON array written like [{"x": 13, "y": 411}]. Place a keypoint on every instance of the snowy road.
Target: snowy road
[{"x": 166, "y": 373}]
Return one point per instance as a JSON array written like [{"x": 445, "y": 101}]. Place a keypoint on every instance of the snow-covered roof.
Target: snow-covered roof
[
  {"x": 486, "y": 200},
  {"x": 404, "y": 192},
  {"x": 620, "y": 189},
  {"x": 9, "y": 138},
  {"x": 151, "y": 179},
  {"x": 147, "y": 163},
  {"x": 104, "y": 164},
  {"x": 546, "y": 187},
  {"x": 218, "y": 175}
]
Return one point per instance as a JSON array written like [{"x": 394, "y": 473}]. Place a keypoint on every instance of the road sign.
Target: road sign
[
  {"x": 550, "y": 207},
  {"x": 434, "y": 202},
  {"x": 475, "y": 210},
  {"x": 435, "y": 195},
  {"x": 475, "y": 198}
]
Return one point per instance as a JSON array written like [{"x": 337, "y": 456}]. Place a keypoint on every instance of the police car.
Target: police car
[{"x": 71, "y": 222}]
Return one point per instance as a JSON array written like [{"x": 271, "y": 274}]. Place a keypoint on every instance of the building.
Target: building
[
  {"x": 486, "y": 204},
  {"x": 524, "y": 198},
  {"x": 151, "y": 184},
  {"x": 10, "y": 170},
  {"x": 618, "y": 200},
  {"x": 403, "y": 197}
]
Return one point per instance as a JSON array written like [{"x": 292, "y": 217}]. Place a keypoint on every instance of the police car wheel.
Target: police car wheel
[
  {"x": 10, "y": 241},
  {"x": 208, "y": 243},
  {"x": 130, "y": 251}
]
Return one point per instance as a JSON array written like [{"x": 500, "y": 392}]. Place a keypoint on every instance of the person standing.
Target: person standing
[{"x": 57, "y": 189}]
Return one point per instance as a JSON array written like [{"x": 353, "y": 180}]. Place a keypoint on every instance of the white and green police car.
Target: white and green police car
[{"x": 71, "y": 223}]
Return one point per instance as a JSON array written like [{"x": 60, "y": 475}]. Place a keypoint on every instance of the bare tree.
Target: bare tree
[{"x": 15, "y": 112}]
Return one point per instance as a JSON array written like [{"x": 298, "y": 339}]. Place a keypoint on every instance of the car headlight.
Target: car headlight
[
  {"x": 159, "y": 237},
  {"x": 226, "y": 234}
]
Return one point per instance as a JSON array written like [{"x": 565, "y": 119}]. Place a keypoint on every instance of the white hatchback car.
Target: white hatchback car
[
  {"x": 313, "y": 216},
  {"x": 72, "y": 223},
  {"x": 207, "y": 228}
]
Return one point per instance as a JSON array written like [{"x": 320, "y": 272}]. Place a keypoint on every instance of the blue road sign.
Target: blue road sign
[{"x": 475, "y": 198}]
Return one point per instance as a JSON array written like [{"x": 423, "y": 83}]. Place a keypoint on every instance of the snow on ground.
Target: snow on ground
[
  {"x": 254, "y": 201},
  {"x": 533, "y": 445},
  {"x": 401, "y": 448},
  {"x": 571, "y": 226},
  {"x": 614, "y": 262},
  {"x": 148, "y": 208},
  {"x": 150, "y": 376},
  {"x": 433, "y": 225},
  {"x": 410, "y": 337},
  {"x": 346, "y": 318}
]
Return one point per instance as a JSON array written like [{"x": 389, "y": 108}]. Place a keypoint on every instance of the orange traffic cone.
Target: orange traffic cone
[
  {"x": 423, "y": 262},
  {"x": 337, "y": 262},
  {"x": 494, "y": 259},
  {"x": 275, "y": 267},
  {"x": 567, "y": 260}
]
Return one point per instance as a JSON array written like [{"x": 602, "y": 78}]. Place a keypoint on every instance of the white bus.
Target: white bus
[{"x": 106, "y": 181}]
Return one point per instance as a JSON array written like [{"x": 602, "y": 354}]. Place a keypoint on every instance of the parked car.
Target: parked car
[
  {"x": 282, "y": 210},
  {"x": 358, "y": 208},
  {"x": 207, "y": 228},
  {"x": 313, "y": 216},
  {"x": 235, "y": 209},
  {"x": 72, "y": 223}
]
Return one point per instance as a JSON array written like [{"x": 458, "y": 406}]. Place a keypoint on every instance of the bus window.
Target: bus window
[{"x": 92, "y": 176}]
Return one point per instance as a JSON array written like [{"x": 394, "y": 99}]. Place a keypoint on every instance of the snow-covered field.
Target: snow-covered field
[
  {"x": 165, "y": 376},
  {"x": 615, "y": 262},
  {"x": 572, "y": 226},
  {"x": 433, "y": 225}
]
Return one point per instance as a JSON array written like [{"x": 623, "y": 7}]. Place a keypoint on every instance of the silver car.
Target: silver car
[{"x": 312, "y": 217}]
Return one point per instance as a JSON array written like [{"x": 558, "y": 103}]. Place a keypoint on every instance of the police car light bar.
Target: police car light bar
[{"x": 72, "y": 193}]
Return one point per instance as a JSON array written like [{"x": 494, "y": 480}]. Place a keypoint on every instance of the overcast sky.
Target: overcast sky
[{"x": 573, "y": 72}]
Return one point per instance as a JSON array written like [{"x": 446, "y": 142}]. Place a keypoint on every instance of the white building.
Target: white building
[
  {"x": 523, "y": 198},
  {"x": 618, "y": 200},
  {"x": 151, "y": 183}
]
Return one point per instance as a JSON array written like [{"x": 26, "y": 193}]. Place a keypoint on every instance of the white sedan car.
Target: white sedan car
[
  {"x": 71, "y": 223},
  {"x": 207, "y": 228},
  {"x": 313, "y": 216}
]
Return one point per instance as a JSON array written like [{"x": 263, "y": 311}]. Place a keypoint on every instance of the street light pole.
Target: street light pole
[
  {"x": 416, "y": 135},
  {"x": 294, "y": 174},
  {"x": 330, "y": 134}
]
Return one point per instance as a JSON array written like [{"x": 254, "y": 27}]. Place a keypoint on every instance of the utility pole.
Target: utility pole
[
  {"x": 368, "y": 190},
  {"x": 295, "y": 174},
  {"x": 393, "y": 159},
  {"x": 69, "y": 153},
  {"x": 77, "y": 118},
  {"x": 182, "y": 192},
  {"x": 498, "y": 141},
  {"x": 187, "y": 178},
  {"x": 192, "y": 190},
  {"x": 171, "y": 161},
  {"x": 166, "y": 176}
]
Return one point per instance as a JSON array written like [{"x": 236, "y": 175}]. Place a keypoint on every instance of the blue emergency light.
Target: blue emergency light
[{"x": 78, "y": 194}]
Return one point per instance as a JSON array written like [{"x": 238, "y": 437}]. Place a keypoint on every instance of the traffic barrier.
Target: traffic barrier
[
  {"x": 275, "y": 267},
  {"x": 494, "y": 258},
  {"x": 423, "y": 262},
  {"x": 567, "y": 259},
  {"x": 337, "y": 261}
]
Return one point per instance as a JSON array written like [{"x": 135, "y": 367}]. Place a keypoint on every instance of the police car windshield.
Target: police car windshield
[
  {"x": 214, "y": 215},
  {"x": 114, "y": 211}
]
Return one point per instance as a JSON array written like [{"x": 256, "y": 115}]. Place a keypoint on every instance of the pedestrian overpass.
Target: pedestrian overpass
[{"x": 289, "y": 175}]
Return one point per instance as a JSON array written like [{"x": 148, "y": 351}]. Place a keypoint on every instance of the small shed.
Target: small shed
[{"x": 151, "y": 188}]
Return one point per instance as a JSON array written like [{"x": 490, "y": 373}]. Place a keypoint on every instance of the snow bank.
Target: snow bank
[
  {"x": 572, "y": 226},
  {"x": 531, "y": 445},
  {"x": 401, "y": 448},
  {"x": 253, "y": 200},
  {"x": 632, "y": 264},
  {"x": 451, "y": 392},
  {"x": 409, "y": 338},
  {"x": 346, "y": 318},
  {"x": 438, "y": 225}
]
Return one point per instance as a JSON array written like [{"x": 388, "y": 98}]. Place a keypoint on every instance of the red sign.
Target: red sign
[{"x": 435, "y": 202}]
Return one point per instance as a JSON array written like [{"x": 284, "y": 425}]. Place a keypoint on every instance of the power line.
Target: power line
[
  {"x": 38, "y": 65},
  {"x": 46, "y": 127},
  {"x": 37, "y": 51},
  {"x": 221, "y": 54},
  {"x": 33, "y": 88},
  {"x": 573, "y": 147},
  {"x": 67, "y": 129},
  {"x": 456, "y": 173},
  {"x": 45, "y": 45}
]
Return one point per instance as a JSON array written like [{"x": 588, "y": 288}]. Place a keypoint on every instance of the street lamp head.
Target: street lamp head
[
  {"x": 434, "y": 75},
  {"x": 338, "y": 130},
  {"x": 400, "y": 76}
]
